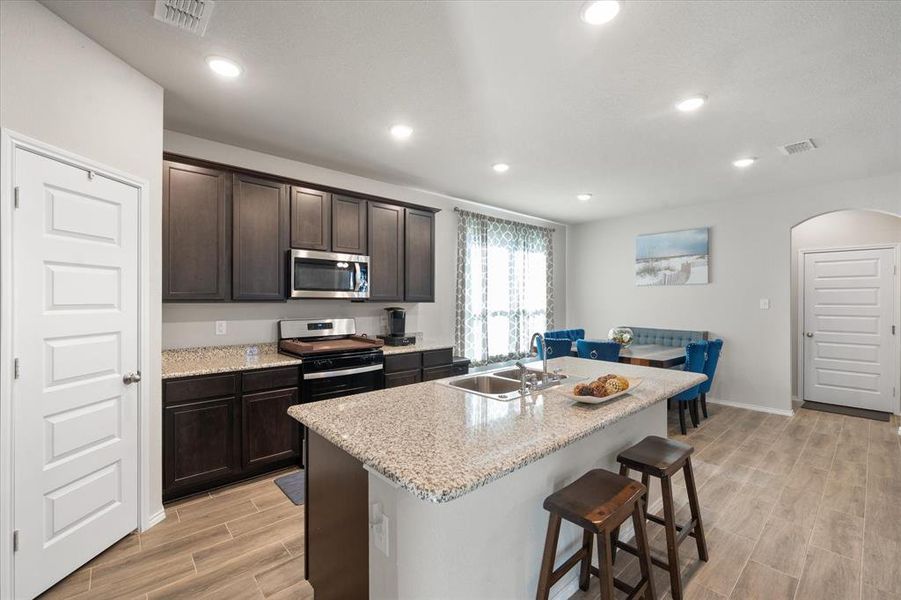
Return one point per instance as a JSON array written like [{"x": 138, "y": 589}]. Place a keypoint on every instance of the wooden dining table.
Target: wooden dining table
[{"x": 650, "y": 355}]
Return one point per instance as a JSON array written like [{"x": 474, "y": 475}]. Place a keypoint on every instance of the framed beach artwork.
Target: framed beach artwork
[{"x": 672, "y": 258}]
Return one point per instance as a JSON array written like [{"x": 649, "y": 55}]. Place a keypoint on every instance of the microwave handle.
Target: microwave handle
[{"x": 357, "y": 277}]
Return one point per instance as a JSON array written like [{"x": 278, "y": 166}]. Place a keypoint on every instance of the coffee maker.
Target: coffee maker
[{"x": 397, "y": 326}]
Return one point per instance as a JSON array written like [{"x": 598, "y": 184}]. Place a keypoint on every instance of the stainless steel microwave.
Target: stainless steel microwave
[{"x": 317, "y": 274}]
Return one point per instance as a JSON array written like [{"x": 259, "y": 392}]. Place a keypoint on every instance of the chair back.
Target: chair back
[
  {"x": 566, "y": 334},
  {"x": 556, "y": 348},
  {"x": 695, "y": 353},
  {"x": 713, "y": 357},
  {"x": 598, "y": 350}
]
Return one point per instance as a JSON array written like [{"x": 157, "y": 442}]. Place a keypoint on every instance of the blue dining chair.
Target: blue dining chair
[
  {"x": 695, "y": 353},
  {"x": 556, "y": 348},
  {"x": 567, "y": 334},
  {"x": 598, "y": 350},
  {"x": 713, "y": 357}
]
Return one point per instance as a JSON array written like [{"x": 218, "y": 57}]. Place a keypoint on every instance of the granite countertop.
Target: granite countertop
[
  {"x": 186, "y": 362},
  {"x": 419, "y": 346},
  {"x": 440, "y": 443}
]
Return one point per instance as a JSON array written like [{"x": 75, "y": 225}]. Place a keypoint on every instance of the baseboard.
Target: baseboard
[
  {"x": 155, "y": 519},
  {"x": 773, "y": 411}
]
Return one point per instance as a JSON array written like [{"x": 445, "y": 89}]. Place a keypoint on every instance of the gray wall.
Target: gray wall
[
  {"x": 750, "y": 259},
  {"x": 61, "y": 88},
  {"x": 835, "y": 230},
  {"x": 187, "y": 325}
]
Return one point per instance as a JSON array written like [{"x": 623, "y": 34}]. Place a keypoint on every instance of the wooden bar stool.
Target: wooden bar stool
[
  {"x": 660, "y": 457},
  {"x": 598, "y": 502}
]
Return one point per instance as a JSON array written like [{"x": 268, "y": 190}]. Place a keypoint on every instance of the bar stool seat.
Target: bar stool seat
[
  {"x": 599, "y": 502},
  {"x": 662, "y": 458}
]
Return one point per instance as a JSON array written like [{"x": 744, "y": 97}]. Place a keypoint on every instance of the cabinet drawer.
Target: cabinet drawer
[
  {"x": 269, "y": 379},
  {"x": 403, "y": 362},
  {"x": 437, "y": 358},
  {"x": 437, "y": 373},
  {"x": 200, "y": 387},
  {"x": 403, "y": 378}
]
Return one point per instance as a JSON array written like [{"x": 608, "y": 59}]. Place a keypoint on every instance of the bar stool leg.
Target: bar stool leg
[
  {"x": 672, "y": 548},
  {"x": 547, "y": 560},
  {"x": 700, "y": 539},
  {"x": 624, "y": 471},
  {"x": 585, "y": 569},
  {"x": 644, "y": 552},
  {"x": 605, "y": 566}
]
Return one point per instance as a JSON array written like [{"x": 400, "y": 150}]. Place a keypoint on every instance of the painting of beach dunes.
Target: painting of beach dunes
[{"x": 672, "y": 258}]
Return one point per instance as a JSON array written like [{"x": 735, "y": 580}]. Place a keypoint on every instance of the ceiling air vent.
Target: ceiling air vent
[
  {"x": 798, "y": 147},
  {"x": 188, "y": 15}
]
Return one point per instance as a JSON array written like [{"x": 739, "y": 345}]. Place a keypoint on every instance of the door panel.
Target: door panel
[
  {"x": 419, "y": 268},
  {"x": 348, "y": 225},
  {"x": 386, "y": 252},
  {"x": 200, "y": 443},
  {"x": 270, "y": 434},
  {"x": 849, "y": 351},
  {"x": 311, "y": 219},
  {"x": 260, "y": 239},
  {"x": 75, "y": 316}
]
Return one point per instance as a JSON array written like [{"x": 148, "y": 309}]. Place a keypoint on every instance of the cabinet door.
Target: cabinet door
[
  {"x": 386, "y": 252},
  {"x": 311, "y": 219},
  {"x": 419, "y": 250},
  {"x": 200, "y": 444},
  {"x": 402, "y": 378},
  {"x": 437, "y": 373},
  {"x": 269, "y": 434},
  {"x": 260, "y": 239},
  {"x": 195, "y": 233},
  {"x": 348, "y": 225}
]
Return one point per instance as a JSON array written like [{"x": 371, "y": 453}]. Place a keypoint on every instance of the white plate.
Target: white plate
[{"x": 567, "y": 391}]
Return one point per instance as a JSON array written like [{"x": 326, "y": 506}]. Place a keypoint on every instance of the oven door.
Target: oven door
[{"x": 328, "y": 275}]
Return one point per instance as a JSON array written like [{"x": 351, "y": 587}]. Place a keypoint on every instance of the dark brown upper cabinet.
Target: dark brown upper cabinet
[
  {"x": 311, "y": 219},
  {"x": 419, "y": 252},
  {"x": 386, "y": 252},
  {"x": 259, "y": 238},
  {"x": 348, "y": 225},
  {"x": 196, "y": 217}
]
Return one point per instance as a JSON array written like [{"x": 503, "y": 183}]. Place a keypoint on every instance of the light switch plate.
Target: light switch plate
[
  {"x": 764, "y": 304},
  {"x": 221, "y": 327}
]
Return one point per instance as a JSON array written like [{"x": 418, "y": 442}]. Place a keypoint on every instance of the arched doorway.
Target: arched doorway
[{"x": 844, "y": 268}]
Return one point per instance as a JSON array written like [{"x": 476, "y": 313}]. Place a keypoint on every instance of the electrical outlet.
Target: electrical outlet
[
  {"x": 221, "y": 327},
  {"x": 764, "y": 304},
  {"x": 379, "y": 525}
]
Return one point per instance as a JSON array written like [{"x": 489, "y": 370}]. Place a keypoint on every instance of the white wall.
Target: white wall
[
  {"x": 59, "y": 87},
  {"x": 750, "y": 252},
  {"x": 187, "y": 325},
  {"x": 835, "y": 230}
]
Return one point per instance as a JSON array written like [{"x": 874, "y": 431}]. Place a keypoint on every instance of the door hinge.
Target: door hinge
[
  {"x": 15, "y": 368},
  {"x": 16, "y": 540},
  {"x": 16, "y": 197}
]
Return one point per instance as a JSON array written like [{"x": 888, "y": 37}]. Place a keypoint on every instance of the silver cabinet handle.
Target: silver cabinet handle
[
  {"x": 130, "y": 378},
  {"x": 808, "y": 334}
]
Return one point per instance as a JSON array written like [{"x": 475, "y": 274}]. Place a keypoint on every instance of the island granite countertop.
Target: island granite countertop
[
  {"x": 188, "y": 362},
  {"x": 440, "y": 443}
]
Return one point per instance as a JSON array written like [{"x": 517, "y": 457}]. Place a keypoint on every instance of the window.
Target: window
[{"x": 504, "y": 286}]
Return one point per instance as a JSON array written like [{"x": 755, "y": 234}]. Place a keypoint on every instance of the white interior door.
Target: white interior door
[
  {"x": 849, "y": 353},
  {"x": 75, "y": 322}
]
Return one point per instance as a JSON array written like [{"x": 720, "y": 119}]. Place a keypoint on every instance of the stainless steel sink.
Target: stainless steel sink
[
  {"x": 486, "y": 384},
  {"x": 514, "y": 374}
]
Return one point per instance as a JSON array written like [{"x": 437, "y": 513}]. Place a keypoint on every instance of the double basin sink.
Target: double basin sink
[{"x": 498, "y": 385}]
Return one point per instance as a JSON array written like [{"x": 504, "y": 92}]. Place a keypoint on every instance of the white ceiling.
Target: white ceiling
[{"x": 571, "y": 107}]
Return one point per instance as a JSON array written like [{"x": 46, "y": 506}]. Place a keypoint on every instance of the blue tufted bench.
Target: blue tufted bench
[{"x": 677, "y": 338}]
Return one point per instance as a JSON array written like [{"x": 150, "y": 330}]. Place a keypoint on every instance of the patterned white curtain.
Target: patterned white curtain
[{"x": 505, "y": 277}]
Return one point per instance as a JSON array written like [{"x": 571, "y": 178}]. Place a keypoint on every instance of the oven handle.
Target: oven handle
[{"x": 339, "y": 372}]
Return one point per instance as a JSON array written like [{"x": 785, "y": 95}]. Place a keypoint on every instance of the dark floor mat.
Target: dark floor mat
[
  {"x": 293, "y": 486},
  {"x": 849, "y": 411}
]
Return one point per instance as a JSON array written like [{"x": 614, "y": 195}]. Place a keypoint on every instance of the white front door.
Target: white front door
[
  {"x": 849, "y": 346},
  {"x": 75, "y": 334}
]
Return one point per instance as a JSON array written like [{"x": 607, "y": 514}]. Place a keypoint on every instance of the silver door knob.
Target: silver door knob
[
  {"x": 808, "y": 334},
  {"x": 130, "y": 378}
]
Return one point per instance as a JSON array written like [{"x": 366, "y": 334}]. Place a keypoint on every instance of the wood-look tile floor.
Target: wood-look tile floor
[
  {"x": 240, "y": 542},
  {"x": 795, "y": 508}
]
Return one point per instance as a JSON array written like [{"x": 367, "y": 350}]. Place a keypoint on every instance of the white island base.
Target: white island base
[{"x": 488, "y": 542}]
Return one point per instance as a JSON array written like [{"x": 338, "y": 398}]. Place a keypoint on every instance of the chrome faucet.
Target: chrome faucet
[
  {"x": 527, "y": 376},
  {"x": 543, "y": 352}
]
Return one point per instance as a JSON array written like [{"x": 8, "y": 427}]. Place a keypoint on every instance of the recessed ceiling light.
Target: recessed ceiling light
[
  {"x": 584, "y": 197},
  {"x": 401, "y": 132},
  {"x": 501, "y": 167},
  {"x": 224, "y": 66},
  {"x": 600, "y": 11},
  {"x": 691, "y": 104},
  {"x": 742, "y": 163}
]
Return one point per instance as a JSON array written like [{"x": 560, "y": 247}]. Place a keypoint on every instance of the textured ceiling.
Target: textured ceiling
[{"x": 571, "y": 107}]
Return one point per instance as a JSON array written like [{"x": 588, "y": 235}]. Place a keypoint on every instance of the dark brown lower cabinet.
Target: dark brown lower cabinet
[
  {"x": 437, "y": 372},
  {"x": 267, "y": 435},
  {"x": 222, "y": 428},
  {"x": 413, "y": 367},
  {"x": 402, "y": 378}
]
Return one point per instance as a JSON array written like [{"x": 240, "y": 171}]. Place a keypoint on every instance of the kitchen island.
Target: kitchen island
[{"x": 427, "y": 491}]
